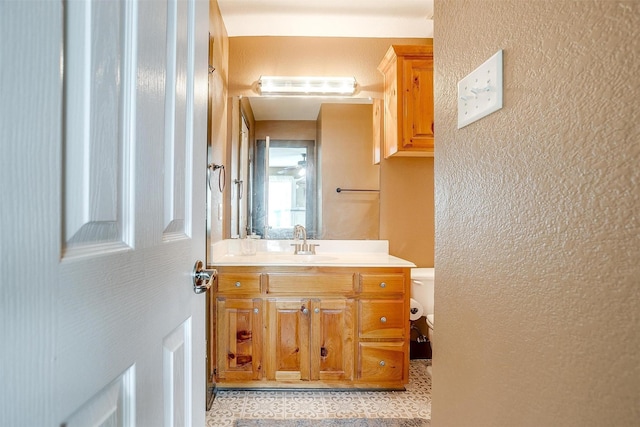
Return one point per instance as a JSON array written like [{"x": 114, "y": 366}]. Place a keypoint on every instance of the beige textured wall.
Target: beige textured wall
[
  {"x": 347, "y": 162},
  {"x": 538, "y": 217}
]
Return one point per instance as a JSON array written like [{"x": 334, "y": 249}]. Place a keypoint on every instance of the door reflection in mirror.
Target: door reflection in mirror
[
  {"x": 284, "y": 188},
  {"x": 240, "y": 203}
]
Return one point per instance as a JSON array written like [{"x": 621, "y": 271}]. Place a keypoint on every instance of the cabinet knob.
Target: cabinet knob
[
  {"x": 383, "y": 285},
  {"x": 382, "y": 363},
  {"x": 238, "y": 284},
  {"x": 305, "y": 311},
  {"x": 316, "y": 310},
  {"x": 255, "y": 310},
  {"x": 383, "y": 319}
]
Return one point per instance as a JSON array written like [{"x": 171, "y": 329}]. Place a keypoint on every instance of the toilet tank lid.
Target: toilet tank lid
[{"x": 423, "y": 273}]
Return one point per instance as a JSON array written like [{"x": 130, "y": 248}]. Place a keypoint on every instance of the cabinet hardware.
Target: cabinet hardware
[
  {"x": 238, "y": 284},
  {"x": 382, "y": 363},
  {"x": 383, "y": 319},
  {"x": 383, "y": 285}
]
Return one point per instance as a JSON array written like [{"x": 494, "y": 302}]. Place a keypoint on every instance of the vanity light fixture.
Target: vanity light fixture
[{"x": 307, "y": 86}]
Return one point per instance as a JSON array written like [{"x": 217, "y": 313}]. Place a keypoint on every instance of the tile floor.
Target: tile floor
[{"x": 415, "y": 402}]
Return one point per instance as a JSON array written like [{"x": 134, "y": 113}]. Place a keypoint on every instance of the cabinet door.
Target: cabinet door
[
  {"x": 287, "y": 347},
  {"x": 239, "y": 340},
  {"x": 417, "y": 132},
  {"x": 332, "y": 343}
]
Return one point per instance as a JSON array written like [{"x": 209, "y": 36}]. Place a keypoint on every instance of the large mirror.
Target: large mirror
[{"x": 292, "y": 156}]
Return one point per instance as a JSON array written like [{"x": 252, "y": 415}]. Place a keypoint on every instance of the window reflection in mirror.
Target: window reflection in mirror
[{"x": 284, "y": 171}]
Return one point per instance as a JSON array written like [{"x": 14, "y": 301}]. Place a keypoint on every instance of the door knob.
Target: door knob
[{"x": 202, "y": 278}]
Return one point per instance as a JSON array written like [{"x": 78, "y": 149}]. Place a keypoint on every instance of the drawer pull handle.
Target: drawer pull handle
[
  {"x": 238, "y": 284},
  {"x": 383, "y": 285},
  {"x": 382, "y": 363},
  {"x": 383, "y": 319}
]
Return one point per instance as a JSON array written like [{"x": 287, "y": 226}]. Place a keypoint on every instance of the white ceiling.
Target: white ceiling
[
  {"x": 328, "y": 18},
  {"x": 321, "y": 18}
]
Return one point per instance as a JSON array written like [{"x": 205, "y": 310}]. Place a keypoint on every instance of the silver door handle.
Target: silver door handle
[{"x": 202, "y": 278}]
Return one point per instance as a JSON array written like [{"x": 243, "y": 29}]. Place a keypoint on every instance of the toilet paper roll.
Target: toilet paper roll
[{"x": 415, "y": 310}]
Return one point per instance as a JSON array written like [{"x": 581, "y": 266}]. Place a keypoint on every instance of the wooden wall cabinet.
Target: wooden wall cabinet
[
  {"x": 312, "y": 327},
  {"x": 408, "y": 101}
]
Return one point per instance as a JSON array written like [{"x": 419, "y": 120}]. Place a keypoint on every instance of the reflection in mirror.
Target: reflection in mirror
[
  {"x": 284, "y": 170},
  {"x": 332, "y": 140}
]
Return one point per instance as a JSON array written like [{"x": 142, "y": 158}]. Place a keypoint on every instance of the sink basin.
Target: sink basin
[{"x": 305, "y": 259}]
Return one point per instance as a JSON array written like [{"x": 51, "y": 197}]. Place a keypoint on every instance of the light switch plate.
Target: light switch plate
[{"x": 480, "y": 92}]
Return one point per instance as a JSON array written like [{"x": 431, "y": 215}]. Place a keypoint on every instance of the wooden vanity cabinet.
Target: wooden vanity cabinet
[
  {"x": 408, "y": 101},
  {"x": 312, "y": 327}
]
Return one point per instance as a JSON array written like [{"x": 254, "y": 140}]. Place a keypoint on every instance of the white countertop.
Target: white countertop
[{"x": 329, "y": 253}]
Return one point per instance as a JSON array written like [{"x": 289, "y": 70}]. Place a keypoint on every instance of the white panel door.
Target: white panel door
[{"x": 103, "y": 138}]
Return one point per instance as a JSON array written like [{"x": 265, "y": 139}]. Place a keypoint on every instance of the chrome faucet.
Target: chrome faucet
[
  {"x": 302, "y": 248},
  {"x": 300, "y": 229}
]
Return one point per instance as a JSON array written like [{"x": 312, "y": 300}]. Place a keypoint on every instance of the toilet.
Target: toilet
[{"x": 422, "y": 292}]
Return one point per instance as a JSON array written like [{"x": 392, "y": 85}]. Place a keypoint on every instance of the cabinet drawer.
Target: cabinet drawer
[
  {"x": 310, "y": 283},
  {"x": 382, "y": 318},
  {"x": 382, "y": 284},
  {"x": 381, "y": 361},
  {"x": 239, "y": 283}
]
